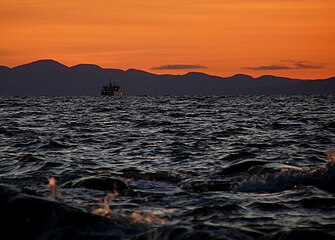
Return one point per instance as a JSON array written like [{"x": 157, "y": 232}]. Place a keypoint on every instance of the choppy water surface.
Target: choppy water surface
[{"x": 242, "y": 167}]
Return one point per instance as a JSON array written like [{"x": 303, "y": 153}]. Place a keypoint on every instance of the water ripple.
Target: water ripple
[{"x": 237, "y": 167}]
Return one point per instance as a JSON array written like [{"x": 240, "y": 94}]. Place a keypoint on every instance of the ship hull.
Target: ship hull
[{"x": 115, "y": 93}]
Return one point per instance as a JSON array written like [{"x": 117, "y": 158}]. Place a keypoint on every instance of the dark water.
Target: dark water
[{"x": 239, "y": 167}]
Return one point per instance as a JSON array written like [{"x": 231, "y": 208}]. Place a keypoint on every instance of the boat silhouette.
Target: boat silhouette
[{"x": 111, "y": 90}]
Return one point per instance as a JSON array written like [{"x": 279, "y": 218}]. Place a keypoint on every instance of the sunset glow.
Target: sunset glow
[{"x": 255, "y": 37}]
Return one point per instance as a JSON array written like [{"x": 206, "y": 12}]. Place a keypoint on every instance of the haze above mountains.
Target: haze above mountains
[{"x": 48, "y": 77}]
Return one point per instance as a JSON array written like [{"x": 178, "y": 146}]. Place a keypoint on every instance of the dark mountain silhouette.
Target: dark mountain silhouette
[{"x": 48, "y": 77}]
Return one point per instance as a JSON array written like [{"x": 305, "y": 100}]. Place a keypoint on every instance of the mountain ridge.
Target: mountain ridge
[{"x": 49, "y": 77}]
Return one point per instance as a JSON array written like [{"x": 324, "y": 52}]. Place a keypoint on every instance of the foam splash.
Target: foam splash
[
  {"x": 145, "y": 218},
  {"x": 52, "y": 185},
  {"x": 133, "y": 218},
  {"x": 291, "y": 178},
  {"x": 331, "y": 157},
  {"x": 105, "y": 211}
]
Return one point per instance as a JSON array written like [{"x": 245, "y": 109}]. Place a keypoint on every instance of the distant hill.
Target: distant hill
[{"x": 48, "y": 77}]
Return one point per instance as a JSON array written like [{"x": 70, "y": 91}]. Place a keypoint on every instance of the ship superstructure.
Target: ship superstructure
[{"x": 111, "y": 90}]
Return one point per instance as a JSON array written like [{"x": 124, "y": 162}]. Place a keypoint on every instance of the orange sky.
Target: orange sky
[{"x": 294, "y": 38}]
